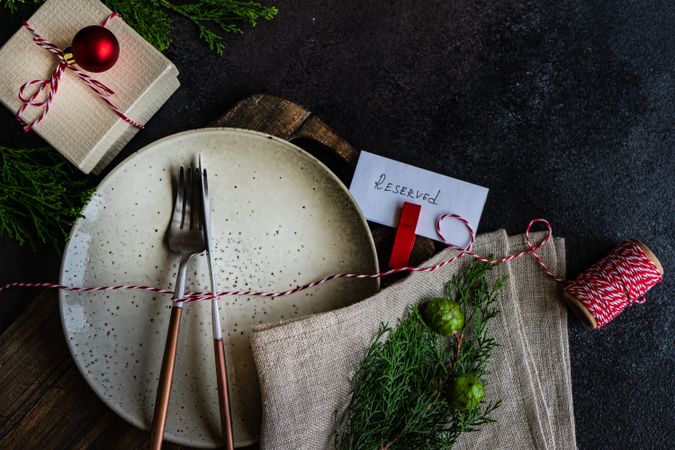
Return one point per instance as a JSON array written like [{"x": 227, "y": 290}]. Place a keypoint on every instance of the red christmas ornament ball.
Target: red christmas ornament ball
[{"x": 95, "y": 48}]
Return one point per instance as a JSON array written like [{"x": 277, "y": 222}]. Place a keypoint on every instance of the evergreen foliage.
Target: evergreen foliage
[
  {"x": 41, "y": 195},
  {"x": 400, "y": 395}
]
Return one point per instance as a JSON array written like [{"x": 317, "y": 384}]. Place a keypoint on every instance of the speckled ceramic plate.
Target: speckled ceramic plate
[{"x": 280, "y": 219}]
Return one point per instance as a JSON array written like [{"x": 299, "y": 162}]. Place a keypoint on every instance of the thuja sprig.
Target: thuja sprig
[
  {"x": 41, "y": 195},
  {"x": 477, "y": 298},
  {"x": 227, "y": 15},
  {"x": 13, "y": 5},
  {"x": 474, "y": 344},
  {"x": 397, "y": 393},
  {"x": 402, "y": 395}
]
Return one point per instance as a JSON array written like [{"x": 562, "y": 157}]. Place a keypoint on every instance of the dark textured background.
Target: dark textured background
[{"x": 564, "y": 110}]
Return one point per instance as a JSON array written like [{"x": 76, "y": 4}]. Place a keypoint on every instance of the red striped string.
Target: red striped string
[
  {"x": 197, "y": 296},
  {"x": 463, "y": 251},
  {"x": 606, "y": 289},
  {"x": 51, "y": 84}
]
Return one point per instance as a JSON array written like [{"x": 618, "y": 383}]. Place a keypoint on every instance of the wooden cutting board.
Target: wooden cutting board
[{"x": 45, "y": 402}]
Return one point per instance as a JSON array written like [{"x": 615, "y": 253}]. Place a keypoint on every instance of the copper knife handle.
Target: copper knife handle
[
  {"x": 223, "y": 394},
  {"x": 165, "y": 380}
]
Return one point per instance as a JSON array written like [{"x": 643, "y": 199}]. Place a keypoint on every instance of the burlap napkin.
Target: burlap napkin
[{"x": 304, "y": 366}]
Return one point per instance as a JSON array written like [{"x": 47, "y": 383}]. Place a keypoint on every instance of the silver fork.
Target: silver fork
[{"x": 186, "y": 238}]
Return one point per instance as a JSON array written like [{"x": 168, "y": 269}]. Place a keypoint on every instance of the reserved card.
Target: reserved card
[{"x": 381, "y": 186}]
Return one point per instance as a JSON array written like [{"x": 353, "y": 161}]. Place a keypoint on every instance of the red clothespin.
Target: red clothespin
[{"x": 405, "y": 235}]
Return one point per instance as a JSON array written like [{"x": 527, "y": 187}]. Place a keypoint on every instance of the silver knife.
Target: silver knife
[{"x": 219, "y": 348}]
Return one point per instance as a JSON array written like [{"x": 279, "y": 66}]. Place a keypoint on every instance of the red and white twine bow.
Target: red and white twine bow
[{"x": 51, "y": 85}]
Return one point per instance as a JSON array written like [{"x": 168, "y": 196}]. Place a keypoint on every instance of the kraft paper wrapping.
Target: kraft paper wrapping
[{"x": 79, "y": 124}]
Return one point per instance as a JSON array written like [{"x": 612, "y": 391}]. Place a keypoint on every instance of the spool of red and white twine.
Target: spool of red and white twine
[
  {"x": 598, "y": 295},
  {"x": 620, "y": 279}
]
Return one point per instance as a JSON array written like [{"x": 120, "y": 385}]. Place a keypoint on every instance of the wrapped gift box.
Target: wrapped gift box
[{"x": 79, "y": 124}]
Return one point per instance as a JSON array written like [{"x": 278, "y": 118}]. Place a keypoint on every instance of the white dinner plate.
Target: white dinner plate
[{"x": 280, "y": 219}]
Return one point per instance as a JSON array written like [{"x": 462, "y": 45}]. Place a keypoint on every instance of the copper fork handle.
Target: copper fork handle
[
  {"x": 223, "y": 394},
  {"x": 165, "y": 380}
]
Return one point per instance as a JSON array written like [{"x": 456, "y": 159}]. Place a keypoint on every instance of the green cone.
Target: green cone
[
  {"x": 465, "y": 392},
  {"x": 444, "y": 316}
]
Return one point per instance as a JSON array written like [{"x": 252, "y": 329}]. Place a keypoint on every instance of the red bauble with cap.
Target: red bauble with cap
[{"x": 95, "y": 49}]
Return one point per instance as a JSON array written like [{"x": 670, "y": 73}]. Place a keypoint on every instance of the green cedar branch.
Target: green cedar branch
[
  {"x": 399, "y": 400},
  {"x": 14, "y": 5},
  {"x": 41, "y": 195}
]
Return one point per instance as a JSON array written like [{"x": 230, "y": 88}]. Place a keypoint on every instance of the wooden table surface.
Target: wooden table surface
[{"x": 44, "y": 398}]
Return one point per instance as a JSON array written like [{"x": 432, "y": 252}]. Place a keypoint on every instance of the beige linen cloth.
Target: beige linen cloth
[{"x": 304, "y": 366}]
